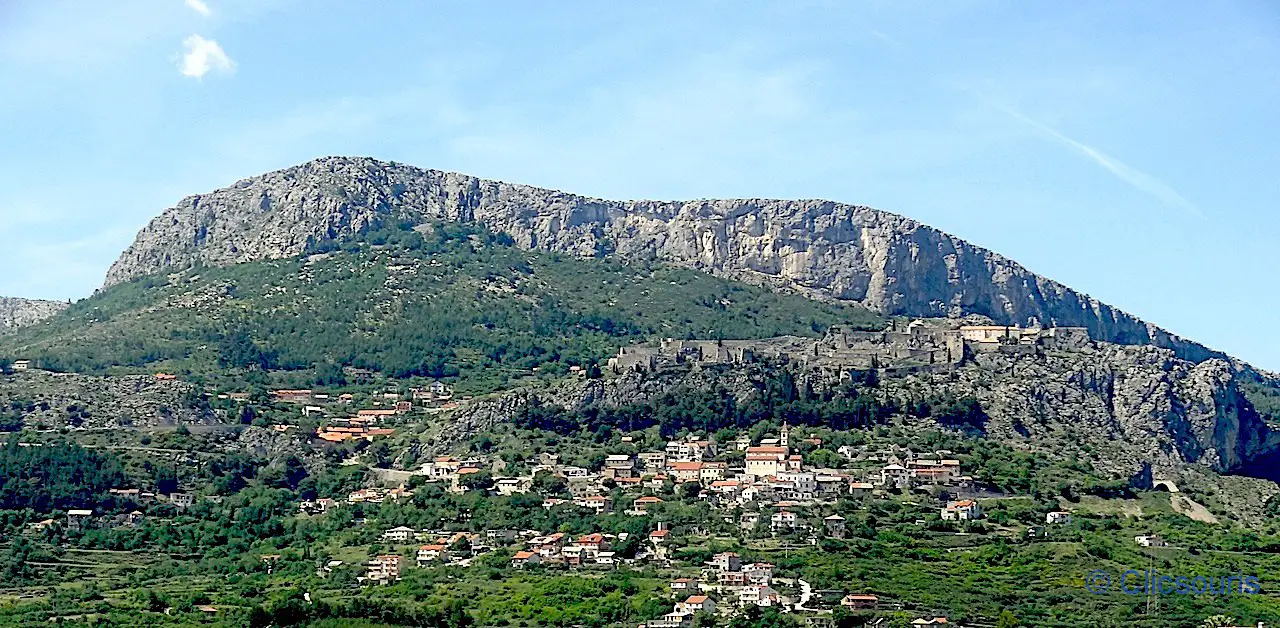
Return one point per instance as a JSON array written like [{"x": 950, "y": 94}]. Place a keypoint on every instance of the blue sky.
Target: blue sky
[{"x": 1126, "y": 149}]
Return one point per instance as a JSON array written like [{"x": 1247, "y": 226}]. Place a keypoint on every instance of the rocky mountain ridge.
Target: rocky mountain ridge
[
  {"x": 887, "y": 262},
  {"x": 16, "y": 312}
]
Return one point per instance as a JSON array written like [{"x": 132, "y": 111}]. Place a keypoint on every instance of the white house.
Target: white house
[
  {"x": 963, "y": 510},
  {"x": 758, "y": 595},
  {"x": 783, "y": 519},
  {"x": 1057, "y": 517},
  {"x": 402, "y": 534}
]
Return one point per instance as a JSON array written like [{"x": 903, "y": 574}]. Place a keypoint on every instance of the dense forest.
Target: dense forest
[
  {"x": 777, "y": 398},
  {"x": 55, "y": 477}
]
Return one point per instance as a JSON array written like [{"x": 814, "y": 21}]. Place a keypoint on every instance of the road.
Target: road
[{"x": 806, "y": 594}]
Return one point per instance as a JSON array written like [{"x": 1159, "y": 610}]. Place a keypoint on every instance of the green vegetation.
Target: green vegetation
[
  {"x": 54, "y": 477},
  {"x": 1265, "y": 397},
  {"x": 460, "y": 302}
]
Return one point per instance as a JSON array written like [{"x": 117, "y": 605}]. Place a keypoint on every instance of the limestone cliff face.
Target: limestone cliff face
[
  {"x": 21, "y": 312},
  {"x": 1121, "y": 407},
  {"x": 887, "y": 262}
]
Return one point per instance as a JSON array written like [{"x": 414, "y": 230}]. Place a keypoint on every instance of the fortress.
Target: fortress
[{"x": 914, "y": 346}]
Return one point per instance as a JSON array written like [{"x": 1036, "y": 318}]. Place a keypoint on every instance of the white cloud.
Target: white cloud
[
  {"x": 199, "y": 7},
  {"x": 202, "y": 56},
  {"x": 1140, "y": 180}
]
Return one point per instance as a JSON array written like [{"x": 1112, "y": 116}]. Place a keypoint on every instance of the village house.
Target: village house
[
  {"x": 659, "y": 537},
  {"x": 963, "y": 510},
  {"x": 401, "y": 534},
  {"x": 653, "y": 461},
  {"x": 686, "y": 471},
  {"x": 512, "y": 486},
  {"x": 367, "y": 495},
  {"x": 523, "y": 559},
  {"x": 182, "y": 501},
  {"x": 375, "y": 414},
  {"x": 725, "y": 562},
  {"x": 292, "y": 396},
  {"x": 860, "y": 602},
  {"x": 803, "y": 485},
  {"x": 894, "y": 475},
  {"x": 595, "y": 503},
  {"x": 548, "y": 546},
  {"x": 762, "y": 462},
  {"x": 758, "y": 573},
  {"x": 594, "y": 542},
  {"x": 683, "y": 584},
  {"x": 383, "y": 570},
  {"x": 782, "y": 520},
  {"x": 21, "y": 365},
  {"x": 758, "y": 595},
  {"x": 1151, "y": 540},
  {"x": 1057, "y": 518},
  {"x": 748, "y": 520},
  {"x": 641, "y": 505},
  {"x": 724, "y": 491},
  {"x": 78, "y": 518},
  {"x": 619, "y": 466},
  {"x": 834, "y": 525},
  {"x": 860, "y": 489},
  {"x": 697, "y": 604},
  {"x": 428, "y": 554},
  {"x": 711, "y": 472},
  {"x": 930, "y": 622},
  {"x": 989, "y": 333}
]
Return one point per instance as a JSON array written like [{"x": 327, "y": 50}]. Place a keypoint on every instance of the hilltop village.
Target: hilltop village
[
  {"x": 713, "y": 515},
  {"x": 769, "y": 492}
]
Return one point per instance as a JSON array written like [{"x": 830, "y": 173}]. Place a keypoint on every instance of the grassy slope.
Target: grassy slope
[{"x": 465, "y": 304}]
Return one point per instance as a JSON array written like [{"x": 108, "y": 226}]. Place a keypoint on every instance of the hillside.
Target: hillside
[
  {"x": 888, "y": 263},
  {"x": 459, "y": 301},
  {"x": 20, "y": 312}
]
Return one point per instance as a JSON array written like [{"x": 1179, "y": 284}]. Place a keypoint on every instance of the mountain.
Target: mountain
[
  {"x": 888, "y": 263},
  {"x": 20, "y": 312},
  {"x": 455, "y": 301}
]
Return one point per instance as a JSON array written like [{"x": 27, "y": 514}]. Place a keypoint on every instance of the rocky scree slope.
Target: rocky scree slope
[
  {"x": 21, "y": 312},
  {"x": 886, "y": 262}
]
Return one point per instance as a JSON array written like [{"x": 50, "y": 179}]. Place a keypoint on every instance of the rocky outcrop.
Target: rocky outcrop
[
  {"x": 1122, "y": 408},
  {"x": 22, "y": 312},
  {"x": 889, "y": 263},
  {"x": 55, "y": 400}
]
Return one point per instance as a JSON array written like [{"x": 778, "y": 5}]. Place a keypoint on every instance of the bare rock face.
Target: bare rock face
[
  {"x": 56, "y": 400},
  {"x": 21, "y": 312},
  {"x": 886, "y": 262}
]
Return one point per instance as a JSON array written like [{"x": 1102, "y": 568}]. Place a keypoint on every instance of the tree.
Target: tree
[
  {"x": 479, "y": 481},
  {"x": 1007, "y": 620}
]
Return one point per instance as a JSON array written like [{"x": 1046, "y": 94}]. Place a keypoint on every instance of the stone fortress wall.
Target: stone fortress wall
[{"x": 918, "y": 345}]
